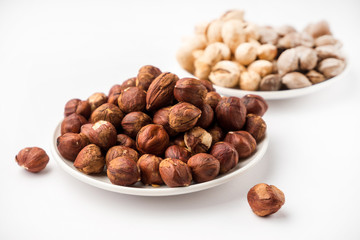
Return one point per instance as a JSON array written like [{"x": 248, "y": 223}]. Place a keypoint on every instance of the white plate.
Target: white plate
[{"x": 102, "y": 181}]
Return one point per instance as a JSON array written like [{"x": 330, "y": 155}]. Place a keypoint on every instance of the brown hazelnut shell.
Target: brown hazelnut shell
[
  {"x": 123, "y": 171},
  {"x": 72, "y": 123},
  {"x": 256, "y": 126},
  {"x": 226, "y": 154},
  {"x": 175, "y": 173},
  {"x": 96, "y": 100},
  {"x": 183, "y": 116},
  {"x": 132, "y": 99},
  {"x": 243, "y": 142},
  {"x": 133, "y": 122},
  {"x": 216, "y": 133},
  {"x": 33, "y": 159},
  {"x": 204, "y": 167},
  {"x": 149, "y": 169},
  {"x": 255, "y": 104},
  {"x": 131, "y": 82},
  {"x": 178, "y": 152},
  {"x": 208, "y": 85},
  {"x": 231, "y": 113},
  {"x": 207, "y": 116},
  {"x": 90, "y": 160},
  {"x": 77, "y": 106},
  {"x": 146, "y": 76},
  {"x": 212, "y": 98},
  {"x": 190, "y": 90},
  {"x": 198, "y": 140},
  {"x": 102, "y": 133},
  {"x": 161, "y": 117},
  {"x": 125, "y": 140},
  {"x": 70, "y": 144},
  {"x": 152, "y": 139},
  {"x": 107, "y": 112},
  {"x": 120, "y": 151}
]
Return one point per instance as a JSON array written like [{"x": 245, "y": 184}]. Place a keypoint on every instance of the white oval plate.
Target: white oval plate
[{"x": 102, "y": 181}]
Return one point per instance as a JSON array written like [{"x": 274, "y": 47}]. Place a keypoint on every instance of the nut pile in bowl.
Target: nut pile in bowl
[
  {"x": 234, "y": 53},
  {"x": 159, "y": 129}
]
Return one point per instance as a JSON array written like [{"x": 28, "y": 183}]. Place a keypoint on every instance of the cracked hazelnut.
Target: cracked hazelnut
[
  {"x": 226, "y": 154},
  {"x": 72, "y": 123},
  {"x": 107, "y": 112},
  {"x": 183, "y": 116},
  {"x": 120, "y": 151},
  {"x": 204, "y": 167},
  {"x": 217, "y": 134},
  {"x": 207, "y": 116},
  {"x": 256, "y": 126},
  {"x": 197, "y": 140},
  {"x": 70, "y": 144},
  {"x": 245, "y": 53},
  {"x": 175, "y": 173},
  {"x": 90, "y": 160},
  {"x": 132, "y": 99},
  {"x": 125, "y": 140},
  {"x": 102, "y": 133},
  {"x": 231, "y": 113},
  {"x": 262, "y": 67},
  {"x": 255, "y": 104},
  {"x": 162, "y": 117},
  {"x": 249, "y": 80},
  {"x": 190, "y": 90},
  {"x": 212, "y": 98},
  {"x": 146, "y": 76},
  {"x": 295, "y": 80},
  {"x": 243, "y": 142},
  {"x": 315, "y": 77},
  {"x": 133, "y": 122},
  {"x": 225, "y": 74},
  {"x": 96, "y": 100},
  {"x": 123, "y": 171},
  {"x": 178, "y": 152},
  {"x": 270, "y": 82},
  {"x": 265, "y": 199},
  {"x": 33, "y": 159},
  {"x": 77, "y": 106},
  {"x": 331, "y": 67},
  {"x": 152, "y": 139},
  {"x": 149, "y": 170}
]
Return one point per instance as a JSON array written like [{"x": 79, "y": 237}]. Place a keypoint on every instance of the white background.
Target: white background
[{"x": 51, "y": 52}]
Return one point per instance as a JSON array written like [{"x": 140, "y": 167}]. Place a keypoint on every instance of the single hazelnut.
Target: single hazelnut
[
  {"x": 255, "y": 104},
  {"x": 107, "y": 112},
  {"x": 213, "y": 32},
  {"x": 243, "y": 142},
  {"x": 161, "y": 117},
  {"x": 178, "y": 152},
  {"x": 329, "y": 51},
  {"x": 226, "y": 154},
  {"x": 265, "y": 199},
  {"x": 225, "y": 74},
  {"x": 96, "y": 100},
  {"x": 256, "y": 126},
  {"x": 77, "y": 106},
  {"x": 149, "y": 170},
  {"x": 175, "y": 173},
  {"x": 70, "y": 144},
  {"x": 315, "y": 77},
  {"x": 190, "y": 90},
  {"x": 132, "y": 99},
  {"x": 249, "y": 80},
  {"x": 120, "y": 151},
  {"x": 33, "y": 159},
  {"x": 268, "y": 35},
  {"x": 245, "y": 53},
  {"x": 270, "y": 82},
  {"x": 318, "y": 29},
  {"x": 102, "y": 133},
  {"x": 146, "y": 75},
  {"x": 209, "y": 86},
  {"x": 123, "y": 171},
  {"x": 231, "y": 113},
  {"x": 267, "y": 52},
  {"x": 204, "y": 167},
  {"x": 198, "y": 140},
  {"x": 183, "y": 116},
  {"x": 133, "y": 122},
  {"x": 72, "y": 123},
  {"x": 212, "y": 98},
  {"x": 207, "y": 116},
  {"x": 125, "y": 140},
  {"x": 288, "y": 61},
  {"x": 113, "y": 98},
  {"x": 233, "y": 33},
  {"x": 307, "y": 57},
  {"x": 295, "y": 80},
  {"x": 152, "y": 139},
  {"x": 217, "y": 134},
  {"x": 131, "y": 82},
  {"x": 115, "y": 89},
  {"x": 90, "y": 160},
  {"x": 179, "y": 140},
  {"x": 262, "y": 67},
  {"x": 331, "y": 67}
]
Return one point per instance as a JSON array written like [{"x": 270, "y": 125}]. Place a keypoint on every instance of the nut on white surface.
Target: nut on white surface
[
  {"x": 225, "y": 74},
  {"x": 245, "y": 53}
]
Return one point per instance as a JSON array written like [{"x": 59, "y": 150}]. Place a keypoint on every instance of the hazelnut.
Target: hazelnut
[
  {"x": 326, "y": 40},
  {"x": 162, "y": 117},
  {"x": 133, "y": 122},
  {"x": 115, "y": 89},
  {"x": 268, "y": 35},
  {"x": 33, "y": 159},
  {"x": 70, "y": 144},
  {"x": 190, "y": 90},
  {"x": 107, "y": 112},
  {"x": 103, "y": 134},
  {"x": 331, "y": 67},
  {"x": 249, "y": 80},
  {"x": 243, "y": 142},
  {"x": 217, "y": 134},
  {"x": 204, "y": 167},
  {"x": 175, "y": 173},
  {"x": 318, "y": 29},
  {"x": 255, "y": 104},
  {"x": 207, "y": 116},
  {"x": 265, "y": 199},
  {"x": 262, "y": 67},
  {"x": 245, "y": 53},
  {"x": 113, "y": 98},
  {"x": 131, "y": 82},
  {"x": 197, "y": 140},
  {"x": 123, "y": 171},
  {"x": 183, "y": 116},
  {"x": 132, "y": 99},
  {"x": 146, "y": 75},
  {"x": 225, "y": 74},
  {"x": 329, "y": 51},
  {"x": 295, "y": 80},
  {"x": 315, "y": 77},
  {"x": 77, "y": 106},
  {"x": 72, "y": 123},
  {"x": 267, "y": 52},
  {"x": 179, "y": 140},
  {"x": 288, "y": 61},
  {"x": 256, "y": 126},
  {"x": 270, "y": 82},
  {"x": 149, "y": 169},
  {"x": 125, "y": 140},
  {"x": 96, "y": 100},
  {"x": 152, "y": 139},
  {"x": 209, "y": 86},
  {"x": 233, "y": 33},
  {"x": 120, "y": 151},
  {"x": 212, "y": 98},
  {"x": 307, "y": 57},
  {"x": 231, "y": 113},
  {"x": 178, "y": 152},
  {"x": 213, "y": 32},
  {"x": 226, "y": 154},
  {"x": 90, "y": 160}
]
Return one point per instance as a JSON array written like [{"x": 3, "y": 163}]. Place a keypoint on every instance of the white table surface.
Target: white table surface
[{"x": 51, "y": 52}]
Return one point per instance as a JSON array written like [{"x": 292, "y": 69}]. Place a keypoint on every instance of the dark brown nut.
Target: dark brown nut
[
  {"x": 33, "y": 159},
  {"x": 331, "y": 67},
  {"x": 198, "y": 140},
  {"x": 114, "y": 94},
  {"x": 295, "y": 80},
  {"x": 77, "y": 106},
  {"x": 123, "y": 171},
  {"x": 178, "y": 152},
  {"x": 175, "y": 173},
  {"x": 125, "y": 140},
  {"x": 146, "y": 76},
  {"x": 90, "y": 160},
  {"x": 132, "y": 99},
  {"x": 212, "y": 98},
  {"x": 209, "y": 86},
  {"x": 207, "y": 116},
  {"x": 102, "y": 133},
  {"x": 120, "y": 151},
  {"x": 115, "y": 89},
  {"x": 131, "y": 82},
  {"x": 152, "y": 139},
  {"x": 265, "y": 199},
  {"x": 162, "y": 117},
  {"x": 318, "y": 29},
  {"x": 149, "y": 170},
  {"x": 161, "y": 91},
  {"x": 72, "y": 123},
  {"x": 256, "y": 126},
  {"x": 216, "y": 133},
  {"x": 243, "y": 142},
  {"x": 226, "y": 154},
  {"x": 255, "y": 104},
  {"x": 190, "y": 90},
  {"x": 179, "y": 140},
  {"x": 96, "y": 100},
  {"x": 133, "y": 122},
  {"x": 70, "y": 144},
  {"x": 270, "y": 82},
  {"x": 183, "y": 116},
  {"x": 85, "y": 129},
  {"x": 107, "y": 112},
  {"x": 231, "y": 113},
  {"x": 204, "y": 167},
  {"x": 315, "y": 77}
]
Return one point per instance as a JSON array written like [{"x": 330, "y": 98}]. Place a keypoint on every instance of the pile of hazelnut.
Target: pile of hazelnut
[
  {"x": 160, "y": 129},
  {"x": 234, "y": 53}
]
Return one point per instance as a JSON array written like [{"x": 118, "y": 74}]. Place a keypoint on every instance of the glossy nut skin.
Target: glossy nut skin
[
  {"x": 216, "y": 133},
  {"x": 231, "y": 113},
  {"x": 183, "y": 116},
  {"x": 256, "y": 126},
  {"x": 243, "y": 142},
  {"x": 207, "y": 116},
  {"x": 149, "y": 169},
  {"x": 204, "y": 167},
  {"x": 96, "y": 100},
  {"x": 72, "y": 123},
  {"x": 70, "y": 144},
  {"x": 177, "y": 152},
  {"x": 265, "y": 199},
  {"x": 103, "y": 134},
  {"x": 107, "y": 112},
  {"x": 90, "y": 160},
  {"x": 226, "y": 154},
  {"x": 212, "y": 98},
  {"x": 125, "y": 140},
  {"x": 146, "y": 76},
  {"x": 132, "y": 99},
  {"x": 123, "y": 171},
  {"x": 161, "y": 117},
  {"x": 131, "y": 82},
  {"x": 190, "y": 90},
  {"x": 120, "y": 151},
  {"x": 175, "y": 173},
  {"x": 133, "y": 122},
  {"x": 115, "y": 89},
  {"x": 255, "y": 104},
  {"x": 33, "y": 159},
  {"x": 152, "y": 139},
  {"x": 77, "y": 106},
  {"x": 197, "y": 140}
]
